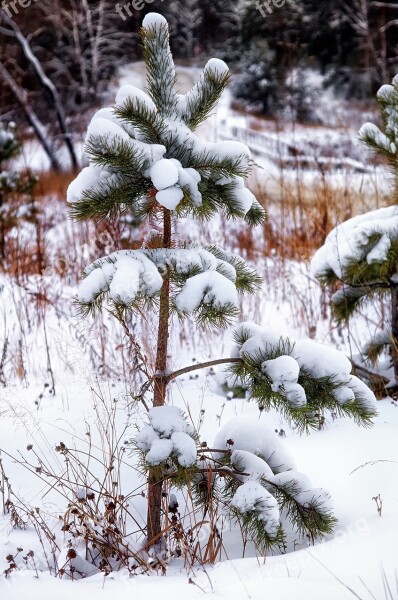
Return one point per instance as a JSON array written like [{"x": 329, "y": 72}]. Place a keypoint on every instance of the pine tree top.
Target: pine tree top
[
  {"x": 145, "y": 156},
  {"x": 385, "y": 142}
]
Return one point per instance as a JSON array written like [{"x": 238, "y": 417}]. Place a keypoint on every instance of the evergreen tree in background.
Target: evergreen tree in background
[
  {"x": 362, "y": 253},
  {"x": 16, "y": 189},
  {"x": 145, "y": 159}
]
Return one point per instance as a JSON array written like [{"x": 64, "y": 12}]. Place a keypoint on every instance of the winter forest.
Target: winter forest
[{"x": 199, "y": 299}]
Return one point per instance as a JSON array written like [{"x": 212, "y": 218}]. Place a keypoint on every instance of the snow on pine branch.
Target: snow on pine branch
[
  {"x": 129, "y": 274},
  {"x": 200, "y": 278},
  {"x": 255, "y": 438},
  {"x": 267, "y": 476},
  {"x": 386, "y": 142},
  {"x": 301, "y": 377},
  {"x": 147, "y": 140},
  {"x": 366, "y": 239},
  {"x": 167, "y": 436}
]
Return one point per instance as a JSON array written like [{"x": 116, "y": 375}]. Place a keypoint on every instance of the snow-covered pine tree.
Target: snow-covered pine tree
[
  {"x": 16, "y": 201},
  {"x": 146, "y": 159},
  {"x": 362, "y": 253}
]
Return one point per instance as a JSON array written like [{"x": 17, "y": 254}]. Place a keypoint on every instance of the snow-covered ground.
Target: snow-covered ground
[{"x": 354, "y": 464}]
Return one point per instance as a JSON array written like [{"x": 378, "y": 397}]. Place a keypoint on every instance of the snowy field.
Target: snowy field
[
  {"x": 354, "y": 464},
  {"x": 358, "y": 466}
]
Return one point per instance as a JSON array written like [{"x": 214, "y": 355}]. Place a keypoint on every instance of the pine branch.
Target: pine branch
[
  {"x": 161, "y": 75},
  {"x": 112, "y": 197},
  {"x": 210, "y": 316},
  {"x": 319, "y": 391},
  {"x": 137, "y": 114},
  {"x": 256, "y": 215},
  {"x": 201, "y": 100},
  {"x": 118, "y": 154},
  {"x": 246, "y": 279},
  {"x": 373, "y": 349},
  {"x": 214, "y": 167},
  {"x": 205, "y": 365},
  {"x": 349, "y": 300}
]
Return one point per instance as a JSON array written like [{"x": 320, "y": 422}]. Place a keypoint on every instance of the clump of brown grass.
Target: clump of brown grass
[
  {"x": 54, "y": 184},
  {"x": 300, "y": 215}
]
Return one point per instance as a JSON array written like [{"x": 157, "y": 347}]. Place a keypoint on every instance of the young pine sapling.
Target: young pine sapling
[{"x": 146, "y": 159}]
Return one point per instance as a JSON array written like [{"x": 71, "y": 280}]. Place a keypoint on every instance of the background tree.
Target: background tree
[
  {"x": 55, "y": 59},
  {"x": 16, "y": 189},
  {"x": 362, "y": 253},
  {"x": 146, "y": 159},
  {"x": 185, "y": 18}
]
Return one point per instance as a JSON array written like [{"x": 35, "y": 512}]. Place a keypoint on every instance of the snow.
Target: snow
[
  {"x": 252, "y": 496},
  {"x": 372, "y": 132},
  {"x": 184, "y": 260},
  {"x": 163, "y": 174},
  {"x": 321, "y": 360},
  {"x": 145, "y": 438},
  {"x": 250, "y": 465},
  {"x": 106, "y": 128},
  {"x": 125, "y": 283},
  {"x": 281, "y": 369},
  {"x": 154, "y": 20},
  {"x": 362, "y": 544},
  {"x": 231, "y": 149},
  {"x": 210, "y": 288},
  {"x": 295, "y": 478},
  {"x": 259, "y": 338},
  {"x": 168, "y": 434},
  {"x": 284, "y": 372},
  {"x": 385, "y": 92},
  {"x": 256, "y": 438},
  {"x": 87, "y": 179},
  {"x": 167, "y": 419},
  {"x": 124, "y": 275},
  {"x": 131, "y": 92},
  {"x": 243, "y": 197},
  {"x": 217, "y": 66},
  {"x": 170, "y": 197},
  {"x": 362, "y": 390},
  {"x": 306, "y": 355},
  {"x": 365, "y": 237},
  {"x": 114, "y": 132},
  {"x": 160, "y": 451},
  {"x": 317, "y": 496},
  {"x": 189, "y": 178},
  {"x": 185, "y": 448},
  {"x": 94, "y": 284}
]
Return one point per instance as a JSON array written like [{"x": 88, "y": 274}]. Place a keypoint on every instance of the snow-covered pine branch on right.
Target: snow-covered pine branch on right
[{"x": 361, "y": 254}]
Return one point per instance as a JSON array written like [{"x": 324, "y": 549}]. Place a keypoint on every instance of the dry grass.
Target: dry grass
[
  {"x": 54, "y": 184},
  {"x": 299, "y": 216}
]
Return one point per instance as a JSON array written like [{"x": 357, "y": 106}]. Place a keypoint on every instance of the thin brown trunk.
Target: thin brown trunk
[
  {"x": 394, "y": 329},
  {"x": 155, "y": 484}
]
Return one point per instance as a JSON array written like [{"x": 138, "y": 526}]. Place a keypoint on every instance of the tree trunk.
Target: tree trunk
[
  {"x": 155, "y": 483},
  {"x": 394, "y": 328}
]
